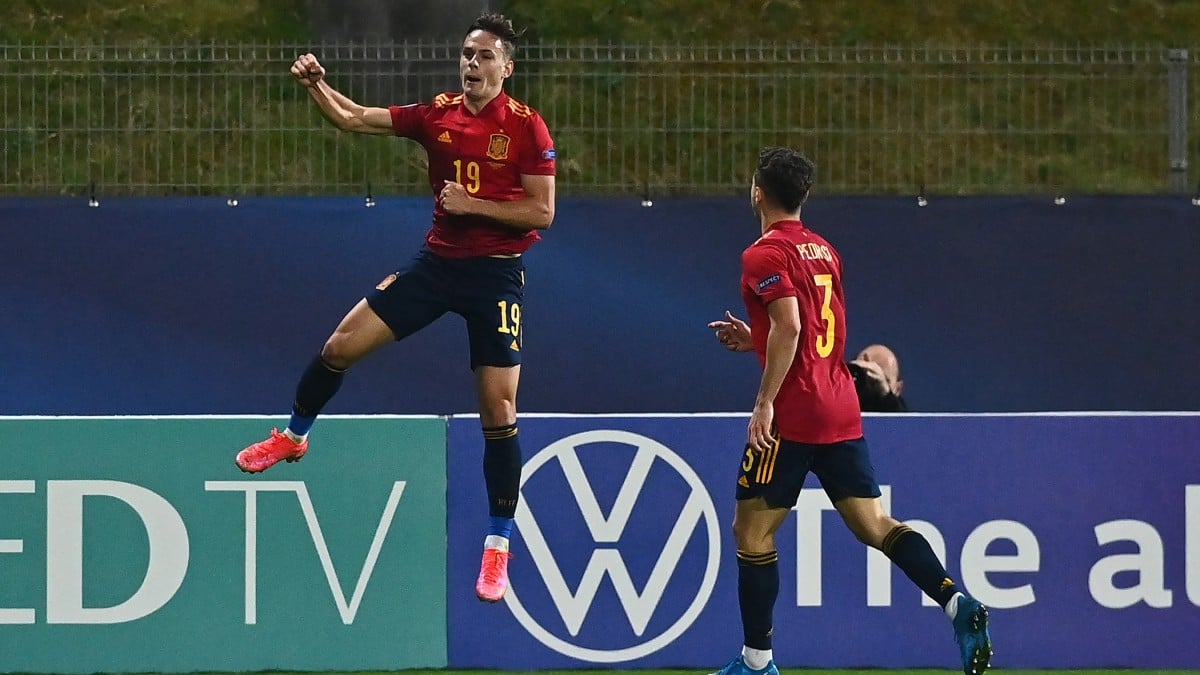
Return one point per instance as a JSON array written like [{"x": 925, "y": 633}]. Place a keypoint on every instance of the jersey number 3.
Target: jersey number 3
[{"x": 825, "y": 342}]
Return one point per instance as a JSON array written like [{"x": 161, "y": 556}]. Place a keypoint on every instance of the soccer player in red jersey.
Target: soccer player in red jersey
[
  {"x": 491, "y": 170},
  {"x": 806, "y": 418}
]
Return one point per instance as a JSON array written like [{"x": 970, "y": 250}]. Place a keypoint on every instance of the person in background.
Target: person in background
[{"x": 877, "y": 382}]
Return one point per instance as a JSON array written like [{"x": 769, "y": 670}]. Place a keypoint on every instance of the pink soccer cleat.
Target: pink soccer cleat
[
  {"x": 266, "y": 454},
  {"x": 493, "y": 575}
]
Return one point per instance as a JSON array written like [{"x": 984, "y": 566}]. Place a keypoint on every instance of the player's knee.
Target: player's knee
[
  {"x": 338, "y": 353},
  {"x": 752, "y": 539},
  {"x": 497, "y": 411}
]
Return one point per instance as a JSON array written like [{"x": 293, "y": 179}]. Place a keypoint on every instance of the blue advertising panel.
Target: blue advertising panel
[
  {"x": 1071, "y": 527},
  {"x": 190, "y": 282}
]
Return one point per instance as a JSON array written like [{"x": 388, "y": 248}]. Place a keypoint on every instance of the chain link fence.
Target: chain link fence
[{"x": 228, "y": 119}]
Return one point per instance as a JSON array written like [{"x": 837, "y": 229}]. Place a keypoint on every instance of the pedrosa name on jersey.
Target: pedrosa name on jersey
[{"x": 811, "y": 251}]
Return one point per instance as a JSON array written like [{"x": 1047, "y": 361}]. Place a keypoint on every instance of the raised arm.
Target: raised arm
[{"x": 335, "y": 106}]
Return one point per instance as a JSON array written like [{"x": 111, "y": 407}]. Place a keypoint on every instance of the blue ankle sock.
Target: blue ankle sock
[
  {"x": 300, "y": 425},
  {"x": 500, "y": 526}
]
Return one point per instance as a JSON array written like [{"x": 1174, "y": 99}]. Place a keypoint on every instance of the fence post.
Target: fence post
[{"x": 1177, "y": 118}]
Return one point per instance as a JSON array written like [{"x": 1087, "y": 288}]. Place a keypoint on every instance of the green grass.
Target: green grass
[
  {"x": 847, "y": 22},
  {"x": 842, "y": 22},
  {"x": 151, "y": 21},
  {"x": 238, "y": 125}
]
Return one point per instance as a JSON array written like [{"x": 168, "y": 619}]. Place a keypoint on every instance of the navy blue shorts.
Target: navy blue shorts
[
  {"x": 485, "y": 291},
  {"x": 778, "y": 474}
]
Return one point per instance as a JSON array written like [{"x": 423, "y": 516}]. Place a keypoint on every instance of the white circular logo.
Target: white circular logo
[{"x": 573, "y": 606}]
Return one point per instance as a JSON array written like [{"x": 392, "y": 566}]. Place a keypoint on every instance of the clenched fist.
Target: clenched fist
[
  {"x": 307, "y": 70},
  {"x": 455, "y": 199}
]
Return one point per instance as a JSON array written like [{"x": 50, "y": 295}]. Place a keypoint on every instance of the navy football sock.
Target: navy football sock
[
  {"x": 912, "y": 554},
  {"x": 502, "y": 474},
  {"x": 758, "y": 586},
  {"x": 318, "y": 384}
]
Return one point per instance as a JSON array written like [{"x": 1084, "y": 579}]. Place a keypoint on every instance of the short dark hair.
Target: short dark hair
[
  {"x": 785, "y": 176},
  {"x": 500, "y": 26}
]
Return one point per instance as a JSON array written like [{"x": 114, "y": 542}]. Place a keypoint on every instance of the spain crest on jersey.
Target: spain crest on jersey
[{"x": 498, "y": 146}]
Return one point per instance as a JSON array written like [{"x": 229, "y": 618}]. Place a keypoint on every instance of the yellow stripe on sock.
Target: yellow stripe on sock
[
  {"x": 889, "y": 541},
  {"x": 758, "y": 558},
  {"x": 497, "y": 434}
]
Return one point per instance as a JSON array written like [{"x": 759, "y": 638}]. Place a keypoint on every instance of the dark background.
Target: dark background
[{"x": 161, "y": 306}]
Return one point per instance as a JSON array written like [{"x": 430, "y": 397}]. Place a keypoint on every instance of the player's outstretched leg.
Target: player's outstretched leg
[
  {"x": 317, "y": 385},
  {"x": 971, "y": 634},
  {"x": 266, "y": 454},
  {"x": 738, "y": 667}
]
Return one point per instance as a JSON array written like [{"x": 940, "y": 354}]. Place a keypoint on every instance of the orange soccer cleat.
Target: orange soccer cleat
[
  {"x": 266, "y": 454},
  {"x": 493, "y": 575}
]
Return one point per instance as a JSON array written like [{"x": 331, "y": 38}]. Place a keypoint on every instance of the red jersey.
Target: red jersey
[
  {"x": 817, "y": 402},
  {"x": 487, "y": 153}
]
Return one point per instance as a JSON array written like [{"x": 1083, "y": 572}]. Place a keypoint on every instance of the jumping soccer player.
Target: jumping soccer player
[
  {"x": 491, "y": 170},
  {"x": 807, "y": 418}
]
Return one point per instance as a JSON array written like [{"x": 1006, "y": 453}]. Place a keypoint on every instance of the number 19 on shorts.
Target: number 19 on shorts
[{"x": 510, "y": 318}]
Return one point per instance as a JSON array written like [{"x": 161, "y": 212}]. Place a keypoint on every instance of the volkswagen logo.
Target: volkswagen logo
[{"x": 693, "y": 513}]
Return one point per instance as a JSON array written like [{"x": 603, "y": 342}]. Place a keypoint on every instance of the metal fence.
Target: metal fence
[{"x": 228, "y": 119}]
